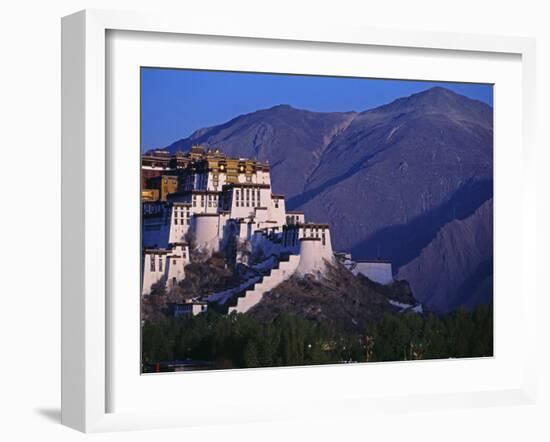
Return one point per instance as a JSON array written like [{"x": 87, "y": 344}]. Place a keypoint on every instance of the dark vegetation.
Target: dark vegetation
[{"x": 241, "y": 341}]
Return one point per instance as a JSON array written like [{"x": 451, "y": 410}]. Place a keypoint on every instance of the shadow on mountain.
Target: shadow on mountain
[
  {"x": 402, "y": 243},
  {"x": 301, "y": 199},
  {"x": 478, "y": 287}
]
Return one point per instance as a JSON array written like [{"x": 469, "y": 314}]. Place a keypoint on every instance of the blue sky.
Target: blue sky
[{"x": 176, "y": 102}]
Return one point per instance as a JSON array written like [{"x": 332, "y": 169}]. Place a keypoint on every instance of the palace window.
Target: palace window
[
  {"x": 160, "y": 263},
  {"x": 152, "y": 258}
]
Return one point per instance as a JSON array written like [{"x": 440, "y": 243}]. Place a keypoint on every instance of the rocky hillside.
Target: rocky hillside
[
  {"x": 340, "y": 300},
  {"x": 390, "y": 181}
]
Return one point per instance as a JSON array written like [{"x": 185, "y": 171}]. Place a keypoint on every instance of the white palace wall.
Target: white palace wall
[
  {"x": 206, "y": 228},
  {"x": 154, "y": 265},
  {"x": 159, "y": 263},
  {"x": 175, "y": 265},
  {"x": 180, "y": 221},
  {"x": 377, "y": 271},
  {"x": 313, "y": 256}
]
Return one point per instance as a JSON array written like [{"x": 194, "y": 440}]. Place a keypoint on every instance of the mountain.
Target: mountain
[
  {"x": 461, "y": 247},
  {"x": 292, "y": 140},
  {"x": 391, "y": 181}
]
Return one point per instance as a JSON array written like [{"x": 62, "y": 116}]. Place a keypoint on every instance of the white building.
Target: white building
[
  {"x": 226, "y": 202},
  {"x": 376, "y": 270},
  {"x": 164, "y": 264}
]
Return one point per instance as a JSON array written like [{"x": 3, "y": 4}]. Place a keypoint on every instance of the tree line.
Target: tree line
[{"x": 239, "y": 341}]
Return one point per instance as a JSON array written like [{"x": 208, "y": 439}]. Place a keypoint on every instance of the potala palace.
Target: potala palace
[{"x": 205, "y": 200}]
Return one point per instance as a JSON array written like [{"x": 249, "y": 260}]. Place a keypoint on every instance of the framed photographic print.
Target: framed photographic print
[
  {"x": 286, "y": 236},
  {"x": 291, "y": 223}
]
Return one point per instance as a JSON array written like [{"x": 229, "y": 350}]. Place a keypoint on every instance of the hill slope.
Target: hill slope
[{"x": 342, "y": 301}]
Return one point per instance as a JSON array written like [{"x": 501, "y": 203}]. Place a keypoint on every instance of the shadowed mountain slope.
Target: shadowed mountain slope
[{"x": 461, "y": 247}]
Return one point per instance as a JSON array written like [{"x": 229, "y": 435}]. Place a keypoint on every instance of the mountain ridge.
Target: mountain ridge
[{"x": 176, "y": 145}]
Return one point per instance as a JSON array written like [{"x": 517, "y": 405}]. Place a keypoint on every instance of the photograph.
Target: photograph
[{"x": 302, "y": 220}]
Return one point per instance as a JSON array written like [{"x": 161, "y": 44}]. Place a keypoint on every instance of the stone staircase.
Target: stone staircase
[
  {"x": 220, "y": 298},
  {"x": 244, "y": 300},
  {"x": 258, "y": 271},
  {"x": 252, "y": 296}
]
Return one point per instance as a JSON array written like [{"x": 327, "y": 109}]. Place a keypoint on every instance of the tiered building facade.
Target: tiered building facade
[{"x": 211, "y": 200}]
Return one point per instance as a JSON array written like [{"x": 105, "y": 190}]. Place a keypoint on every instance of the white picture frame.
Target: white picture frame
[{"x": 85, "y": 235}]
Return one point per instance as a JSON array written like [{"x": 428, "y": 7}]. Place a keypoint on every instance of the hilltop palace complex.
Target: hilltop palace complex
[{"x": 215, "y": 203}]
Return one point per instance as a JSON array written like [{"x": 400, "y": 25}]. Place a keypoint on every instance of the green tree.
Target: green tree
[{"x": 251, "y": 358}]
